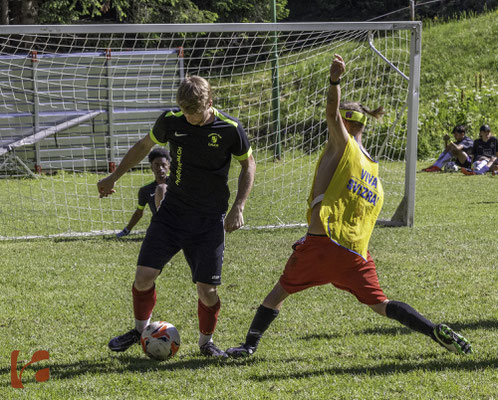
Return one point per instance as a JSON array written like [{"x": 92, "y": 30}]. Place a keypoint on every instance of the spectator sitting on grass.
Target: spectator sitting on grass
[
  {"x": 460, "y": 151},
  {"x": 485, "y": 155}
]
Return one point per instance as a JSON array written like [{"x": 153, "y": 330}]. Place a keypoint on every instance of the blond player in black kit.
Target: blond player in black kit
[{"x": 191, "y": 218}]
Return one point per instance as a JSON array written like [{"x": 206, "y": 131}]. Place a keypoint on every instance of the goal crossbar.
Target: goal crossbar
[{"x": 197, "y": 28}]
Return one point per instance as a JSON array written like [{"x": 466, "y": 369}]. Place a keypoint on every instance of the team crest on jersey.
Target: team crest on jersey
[{"x": 214, "y": 140}]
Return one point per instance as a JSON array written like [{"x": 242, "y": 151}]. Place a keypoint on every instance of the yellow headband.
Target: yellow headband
[{"x": 354, "y": 116}]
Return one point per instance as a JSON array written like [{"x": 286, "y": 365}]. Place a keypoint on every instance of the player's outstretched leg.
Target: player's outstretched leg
[
  {"x": 262, "y": 320},
  {"x": 125, "y": 341},
  {"x": 451, "y": 340},
  {"x": 442, "y": 334}
]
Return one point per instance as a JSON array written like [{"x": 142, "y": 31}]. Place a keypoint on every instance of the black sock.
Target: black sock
[
  {"x": 260, "y": 323},
  {"x": 409, "y": 317}
]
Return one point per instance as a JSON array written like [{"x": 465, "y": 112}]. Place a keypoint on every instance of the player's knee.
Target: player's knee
[
  {"x": 145, "y": 278},
  {"x": 208, "y": 294}
]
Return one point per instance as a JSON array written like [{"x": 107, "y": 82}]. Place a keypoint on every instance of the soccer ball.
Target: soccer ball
[
  {"x": 450, "y": 167},
  {"x": 160, "y": 340}
]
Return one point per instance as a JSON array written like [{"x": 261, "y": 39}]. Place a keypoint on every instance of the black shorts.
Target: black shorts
[
  {"x": 466, "y": 164},
  {"x": 200, "y": 236}
]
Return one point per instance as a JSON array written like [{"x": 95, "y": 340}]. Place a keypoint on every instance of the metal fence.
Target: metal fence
[{"x": 81, "y": 111}]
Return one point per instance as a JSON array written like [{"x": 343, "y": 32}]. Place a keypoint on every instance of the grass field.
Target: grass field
[{"x": 70, "y": 297}]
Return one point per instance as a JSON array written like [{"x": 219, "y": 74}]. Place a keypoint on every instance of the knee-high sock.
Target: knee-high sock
[
  {"x": 409, "y": 317},
  {"x": 208, "y": 317},
  {"x": 260, "y": 323},
  {"x": 443, "y": 157},
  {"x": 143, "y": 304}
]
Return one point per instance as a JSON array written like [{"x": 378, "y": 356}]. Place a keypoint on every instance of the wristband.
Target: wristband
[{"x": 334, "y": 83}]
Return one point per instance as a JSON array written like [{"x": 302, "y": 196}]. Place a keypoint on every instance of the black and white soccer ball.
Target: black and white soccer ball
[
  {"x": 160, "y": 340},
  {"x": 450, "y": 167}
]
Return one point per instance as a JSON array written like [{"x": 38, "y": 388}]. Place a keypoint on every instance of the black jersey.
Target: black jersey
[
  {"x": 201, "y": 157},
  {"x": 467, "y": 144},
  {"x": 482, "y": 148},
  {"x": 146, "y": 196}
]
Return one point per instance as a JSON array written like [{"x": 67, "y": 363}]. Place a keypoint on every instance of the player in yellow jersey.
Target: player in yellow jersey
[{"x": 345, "y": 200}]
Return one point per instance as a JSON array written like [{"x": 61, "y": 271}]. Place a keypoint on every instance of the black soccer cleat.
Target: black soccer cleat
[
  {"x": 241, "y": 351},
  {"x": 209, "y": 349},
  {"x": 125, "y": 341},
  {"x": 451, "y": 340}
]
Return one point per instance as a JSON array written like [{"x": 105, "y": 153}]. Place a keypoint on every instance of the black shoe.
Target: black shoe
[
  {"x": 209, "y": 349},
  {"x": 242, "y": 351},
  {"x": 123, "y": 342},
  {"x": 451, "y": 340}
]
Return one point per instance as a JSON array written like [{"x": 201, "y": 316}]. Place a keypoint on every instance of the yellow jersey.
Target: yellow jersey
[{"x": 352, "y": 200}]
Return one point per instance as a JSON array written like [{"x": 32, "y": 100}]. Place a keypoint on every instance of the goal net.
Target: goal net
[{"x": 74, "y": 99}]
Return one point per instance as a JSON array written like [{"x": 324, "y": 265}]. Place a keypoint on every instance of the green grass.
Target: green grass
[
  {"x": 70, "y": 297},
  {"x": 457, "y": 51},
  {"x": 459, "y": 79}
]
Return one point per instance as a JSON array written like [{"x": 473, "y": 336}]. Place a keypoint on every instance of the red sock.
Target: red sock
[
  {"x": 143, "y": 302},
  {"x": 208, "y": 317}
]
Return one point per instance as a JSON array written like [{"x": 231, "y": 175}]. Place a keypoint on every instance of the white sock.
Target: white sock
[
  {"x": 203, "y": 339},
  {"x": 140, "y": 324},
  {"x": 478, "y": 165}
]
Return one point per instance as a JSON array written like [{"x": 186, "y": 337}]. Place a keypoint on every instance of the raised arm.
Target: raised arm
[
  {"x": 338, "y": 135},
  {"x": 132, "y": 157},
  {"x": 235, "y": 219}
]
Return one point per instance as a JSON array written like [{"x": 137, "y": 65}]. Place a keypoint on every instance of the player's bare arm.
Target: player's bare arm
[
  {"x": 135, "y": 218},
  {"x": 132, "y": 157},
  {"x": 338, "y": 135},
  {"x": 235, "y": 219}
]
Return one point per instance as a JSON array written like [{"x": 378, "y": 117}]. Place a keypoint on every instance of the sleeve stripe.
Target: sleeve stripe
[
  {"x": 223, "y": 118},
  {"x": 151, "y": 134},
  {"x": 244, "y": 156},
  {"x": 139, "y": 207}
]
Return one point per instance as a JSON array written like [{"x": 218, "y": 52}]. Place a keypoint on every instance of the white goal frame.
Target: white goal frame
[{"x": 404, "y": 214}]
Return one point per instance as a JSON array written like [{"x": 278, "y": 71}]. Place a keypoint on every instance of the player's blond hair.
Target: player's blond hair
[
  {"x": 194, "y": 94},
  {"x": 358, "y": 107}
]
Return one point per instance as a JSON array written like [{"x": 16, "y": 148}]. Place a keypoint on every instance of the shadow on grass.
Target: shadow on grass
[
  {"x": 384, "y": 369},
  {"x": 124, "y": 363},
  {"x": 457, "y": 326},
  {"x": 106, "y": 237},
  {"x": 402, "y": 330}
]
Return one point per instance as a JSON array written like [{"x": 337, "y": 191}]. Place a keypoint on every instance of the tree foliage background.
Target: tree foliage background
[
  {"x": 197, "y": 11},
  {"x": 138, "y": 11},
  {"x": 364, "y": 10}
]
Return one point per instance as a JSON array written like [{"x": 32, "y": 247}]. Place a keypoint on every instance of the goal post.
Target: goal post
[{"x": 75, "y": 98}]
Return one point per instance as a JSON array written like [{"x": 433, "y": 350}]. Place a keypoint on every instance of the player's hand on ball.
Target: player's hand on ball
[
  {"x": 337, "y": 68},
  {"x": 106, "y": 187}
]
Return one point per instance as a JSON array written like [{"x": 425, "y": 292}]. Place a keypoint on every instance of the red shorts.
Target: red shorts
[{"x": 317, "y": 260}]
